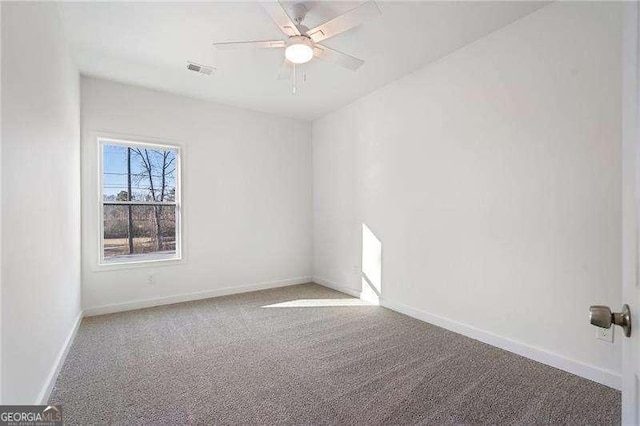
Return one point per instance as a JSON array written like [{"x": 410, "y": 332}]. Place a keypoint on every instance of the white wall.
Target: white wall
[
  {"x": 247, "y": 203},
  {"x": 492, "y": 179},
  {"x": 40, "y": 198}
]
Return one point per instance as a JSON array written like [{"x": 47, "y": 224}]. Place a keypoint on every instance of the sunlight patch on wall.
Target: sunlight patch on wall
[{"x": 371, "y": 266}]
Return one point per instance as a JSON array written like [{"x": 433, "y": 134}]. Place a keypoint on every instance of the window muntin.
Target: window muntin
[{"x": 140, "y": 194}]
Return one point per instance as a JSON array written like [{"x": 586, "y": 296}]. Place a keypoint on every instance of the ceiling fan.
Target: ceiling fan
[{"x": 303, "y": 44}]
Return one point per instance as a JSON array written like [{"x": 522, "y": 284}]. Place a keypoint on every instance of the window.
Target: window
[{"x": 140, "y": 208}]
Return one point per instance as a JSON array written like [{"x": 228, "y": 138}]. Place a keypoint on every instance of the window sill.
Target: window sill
[{"x": 137, "y": 261}]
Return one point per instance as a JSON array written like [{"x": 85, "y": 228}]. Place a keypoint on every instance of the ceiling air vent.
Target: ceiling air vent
[{"x": 202, "y": 69}]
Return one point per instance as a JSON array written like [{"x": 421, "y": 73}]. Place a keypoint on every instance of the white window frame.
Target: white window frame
[{"x": 132, "y": 261}]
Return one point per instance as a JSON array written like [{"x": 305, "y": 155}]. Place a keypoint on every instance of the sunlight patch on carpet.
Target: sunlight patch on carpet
[{"x": 318, "y": 303}]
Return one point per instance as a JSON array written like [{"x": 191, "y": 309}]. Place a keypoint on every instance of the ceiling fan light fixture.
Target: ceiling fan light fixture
[{"x": 299, "y": 50}]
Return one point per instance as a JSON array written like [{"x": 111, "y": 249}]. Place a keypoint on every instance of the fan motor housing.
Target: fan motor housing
[
  {"x": 299, "y": 12},
  {"x": 300, "y": 39}
]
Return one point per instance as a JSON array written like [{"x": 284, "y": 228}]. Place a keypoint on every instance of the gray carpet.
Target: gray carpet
[{"x": 231, "y": 360}]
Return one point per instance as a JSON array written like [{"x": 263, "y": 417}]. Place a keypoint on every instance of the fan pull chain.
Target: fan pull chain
[{"x": 295, "y": 83}]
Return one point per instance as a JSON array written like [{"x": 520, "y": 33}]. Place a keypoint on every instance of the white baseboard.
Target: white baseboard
[
  {"x": 225, "y": 291},
  {"x": 43, "y": 397},
  {"x": 340, "y": 288},
  {"x": 599, "y": 375}
]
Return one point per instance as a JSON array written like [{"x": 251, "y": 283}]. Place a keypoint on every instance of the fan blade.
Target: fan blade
[
  {"x": 280, "y": 17},
  {"x": 268, "y": 44},
  {"x": 339, "y": 58},
  {"x": 344, "y": 22},
  {"x": 285, "y": 70}
]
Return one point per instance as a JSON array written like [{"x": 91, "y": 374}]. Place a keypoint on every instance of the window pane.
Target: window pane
[
  {"x": 153, "y": 232},
  {"x": 151, "y": 173}
]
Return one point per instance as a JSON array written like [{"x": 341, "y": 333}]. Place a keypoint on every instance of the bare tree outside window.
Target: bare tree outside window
[{"x": 139, "y": 202}]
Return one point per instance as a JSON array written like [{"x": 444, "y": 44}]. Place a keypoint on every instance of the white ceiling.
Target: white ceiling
[{"x": 149, "y": 44}]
